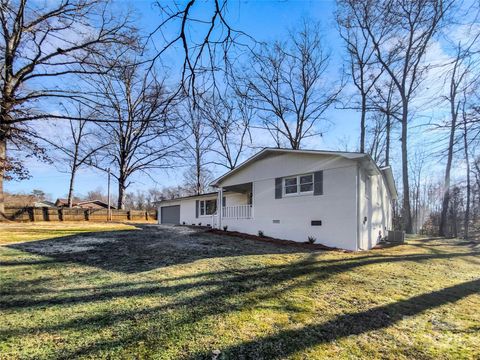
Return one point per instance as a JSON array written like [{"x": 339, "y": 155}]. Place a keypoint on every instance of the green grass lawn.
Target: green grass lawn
[{"x": 135, "y": 292}]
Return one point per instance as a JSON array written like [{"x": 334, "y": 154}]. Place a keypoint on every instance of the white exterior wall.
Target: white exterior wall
[
  {"x": 375, "y": 206},
  {"x": 336, "y": 208},
  {"x": 187, "y": 207},
  {"x": 233, "y": 199},
  {"x": 187, "y": 210}
]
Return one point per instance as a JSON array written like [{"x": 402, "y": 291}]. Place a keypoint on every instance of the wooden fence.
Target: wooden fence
[{"x": 25, "y": 214}]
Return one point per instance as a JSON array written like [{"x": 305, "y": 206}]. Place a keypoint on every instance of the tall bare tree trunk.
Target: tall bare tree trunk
[
  {"x": 362, "y": 123},
  {"x": 446, "y": 184},
  {"x": 198, "y": 174},
  {"x": 387, "y": 140},
  {"x": 70, "y": 188},
  {"x": 407, "y": 212},
  {"x": 121, "y": 194},
  {"x": 469, "y": 189},
  {"x": 73, "y": 173},
  {"x": 3, "y": 155}
]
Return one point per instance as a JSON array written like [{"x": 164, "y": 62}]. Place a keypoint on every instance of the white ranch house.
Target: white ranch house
[{"x": 343, "y": 199}]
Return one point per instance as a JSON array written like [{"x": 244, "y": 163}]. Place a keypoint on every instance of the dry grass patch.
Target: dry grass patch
[{"x": 19, "y": 232}]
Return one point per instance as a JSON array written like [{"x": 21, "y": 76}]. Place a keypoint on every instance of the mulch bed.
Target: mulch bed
[{"x": 267, "y": 239}]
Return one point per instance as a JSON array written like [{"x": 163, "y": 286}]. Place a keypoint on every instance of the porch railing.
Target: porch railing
[{"x": 237, "y": 212}]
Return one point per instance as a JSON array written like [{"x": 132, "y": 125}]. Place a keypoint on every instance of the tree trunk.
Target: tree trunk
[
  {"x": 467, "y": 205},
  {"x": 362, "y": 123},
  {"x": 121, "y": 194},
  {"x": 198, "y": 170},
  {"x": 387, "y": 141},
  {"x": 70, "y": 188},
  {"x": 407, "y": 214},
  {"x": 3, "y": 156},
  {"x": 446, "y": 184},
  {"x": 455, "y": 215}
]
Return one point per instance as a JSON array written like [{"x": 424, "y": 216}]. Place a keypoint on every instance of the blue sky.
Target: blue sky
[{"x": 264, "y": 20}]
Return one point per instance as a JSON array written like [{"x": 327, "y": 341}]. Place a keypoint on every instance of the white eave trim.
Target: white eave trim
[
  {"x": 347, "y": 155},
  {"x": 388, "y": 176}
]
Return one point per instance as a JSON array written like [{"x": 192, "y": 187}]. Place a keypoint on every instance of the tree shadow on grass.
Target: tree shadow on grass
[
  {"x": 288, "y": 342},
  {"x": 146, "y": 248},
  {"x": 217, "y": 300},
  {"x": 222, "y": 292},
  {"x": 184, "y": 301},
  {"x": 225, "y": 284}
]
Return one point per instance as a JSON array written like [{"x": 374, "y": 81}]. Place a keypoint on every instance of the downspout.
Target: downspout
[
  {"x": 159, "y": 213},
  {"x": 357, "y": 200}
]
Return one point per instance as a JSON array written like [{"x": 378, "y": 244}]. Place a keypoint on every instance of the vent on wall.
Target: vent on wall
[
  {"x": 316, "y": 223},
  {"x": 276, "y": 221}
]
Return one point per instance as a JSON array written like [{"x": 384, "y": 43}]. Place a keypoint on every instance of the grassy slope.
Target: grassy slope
[{"x": 415, "y": 301}]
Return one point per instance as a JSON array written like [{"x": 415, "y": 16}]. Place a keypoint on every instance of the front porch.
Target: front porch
[{"x": 236, "y": 203}]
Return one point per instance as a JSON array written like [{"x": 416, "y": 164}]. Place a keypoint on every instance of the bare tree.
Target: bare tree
[
  {"x": 290, "y": 86},
  {"x": 230, "y": 118},
  {"x": 466, "y": 221},
  {"x": 378, "y": 142},
  {"x": 460, "y": 79},
  {"x": 400, "y": 32},
  {"x": 197, "y": 145},
  {"x": 42, "y": 44},
  {"x": 96, "y": 194},
  {"x": 417, "y": 171},
  {"x": 207, "y": 38},
  {"x": 475, "y": 170},
  {"x": 363, "y": 65},
  {"x": 78, "y": 146},
  {"x": 142, "y": 131},
  {"x": 384, "y": 102},
  {"x": 196, "y": 183},
  {"x": 470, "y": 143}
]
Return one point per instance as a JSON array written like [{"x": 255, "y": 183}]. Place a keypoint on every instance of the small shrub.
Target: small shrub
[
  {"x": 183, "y": 223},
  {"x": 199, "y": 224},
  {"x": 225, "y": 228},
  {"x": 260, "y": 233},
  {"x": 312, "y": 239}
]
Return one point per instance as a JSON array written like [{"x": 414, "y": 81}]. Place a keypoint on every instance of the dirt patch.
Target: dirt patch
[
  {"x": 79, "y": 244},
  {"x": 149, "y": 247}
]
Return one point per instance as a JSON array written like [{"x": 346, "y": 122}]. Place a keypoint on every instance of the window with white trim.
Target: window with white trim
[
  {"x": 207, "y": 207},
  {"x": 298, "y": 185}
]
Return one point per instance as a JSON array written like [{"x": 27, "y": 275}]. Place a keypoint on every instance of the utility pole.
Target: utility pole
[{"x": 109, "y": 213}]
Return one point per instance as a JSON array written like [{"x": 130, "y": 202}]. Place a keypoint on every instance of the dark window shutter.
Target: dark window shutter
[
  {"x": 318, "y": 183},
  {"x": 224, "y": 201},
  {"x": 278, "y": 188},
  {"x": 197, "y": 205}
]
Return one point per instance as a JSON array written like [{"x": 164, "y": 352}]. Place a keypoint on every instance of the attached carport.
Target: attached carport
[{"x": 170, "y": 214}]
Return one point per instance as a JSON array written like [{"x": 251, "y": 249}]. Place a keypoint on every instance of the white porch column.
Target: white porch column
[
  {"x": 220, "y": 207},
  {"x": 252, "y": 211}
]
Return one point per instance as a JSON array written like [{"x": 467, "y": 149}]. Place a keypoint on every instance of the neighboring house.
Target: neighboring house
[
  {"x": 343, "y": 199},
  {"x": 88, "y": 204},
  {"x": 43, "y": 203},
  {"x": 23, "y": 200}
]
